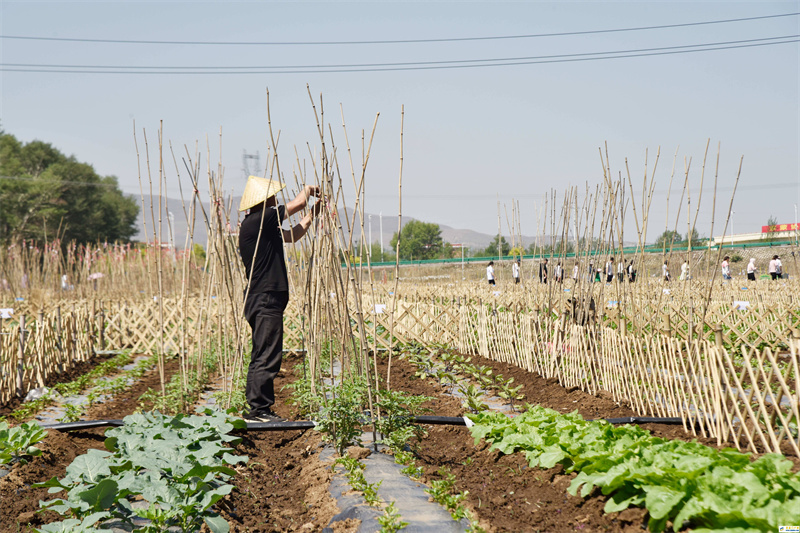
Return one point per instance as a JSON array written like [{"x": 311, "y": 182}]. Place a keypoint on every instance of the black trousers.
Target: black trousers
[{"x": 264, "y": 313}]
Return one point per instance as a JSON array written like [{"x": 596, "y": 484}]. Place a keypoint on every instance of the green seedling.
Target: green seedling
[
  {"x": 17, "y": 443},
  {"x": 391, "y": 521}
]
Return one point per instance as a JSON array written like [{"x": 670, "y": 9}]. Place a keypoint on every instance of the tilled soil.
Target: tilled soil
[
  {"x": 65, "y": 377},
  {"x": 19, "y": 502},
  {"x": 504, "y": 493},
  {"x": 283, "y": 487}
]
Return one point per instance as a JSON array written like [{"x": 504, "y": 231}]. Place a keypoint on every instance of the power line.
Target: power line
[
  {"x": 395, "y": 41},
  {"x": 421, "y": 65},
  {"x": 394, "y": 64}
]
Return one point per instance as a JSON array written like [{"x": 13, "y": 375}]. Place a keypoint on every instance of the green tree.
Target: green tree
[
  {"x": 199, "y": 254},
  {"x": 668, "y": 238},
  {"x": 491, "y": 250},
  {"x": 418, "y": 240},
  {"x": 43, "y": 192},
  {"x": 696, "y": 238}
]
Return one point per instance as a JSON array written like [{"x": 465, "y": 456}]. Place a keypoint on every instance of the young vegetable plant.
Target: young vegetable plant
[
  {"x": 472, "y": 398},
  {"x": 391, "y": 521},
  {"x": 507, "y": 392},
  {"x": 677, "y": 481},
  {"x": 398, "y": 410},
  {"x": 17, "y": 443},
  {"x": 177, "y": 465},
  {"x": 341, "y": 418}
]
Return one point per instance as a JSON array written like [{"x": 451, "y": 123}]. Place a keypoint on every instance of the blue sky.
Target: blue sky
[{"x": 470, "y": 134}]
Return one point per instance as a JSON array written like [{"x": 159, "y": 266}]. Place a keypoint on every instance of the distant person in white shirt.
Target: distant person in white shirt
[
  {"x": 490, "y": 273},
  {"x": 621, "y": 270},
  {"x": 774, "y": 269},
  {"x": 515, "y": 271},
  {"x": 559, "y": 273},
  {"x": 575, "y": 271},
  {"x": 665, "y": 271},
  {"x": 752, "y": 269},
  {"x": 684, "y": 271},
  {"x": 609, "y": 270},
  {"x": 726, "y": 268}
]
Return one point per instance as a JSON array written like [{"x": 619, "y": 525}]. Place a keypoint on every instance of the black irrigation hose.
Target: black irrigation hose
[{"x": 306, "y": 424}]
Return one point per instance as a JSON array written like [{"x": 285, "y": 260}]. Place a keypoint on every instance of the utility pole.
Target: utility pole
[
  {"x": 499, "y": 228},
  {"x": 246, "y": 167}
]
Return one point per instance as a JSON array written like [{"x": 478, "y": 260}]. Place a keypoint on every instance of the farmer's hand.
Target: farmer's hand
[
  {"x": 318, "y": 206},
  {"x": 311, "y": 190}
]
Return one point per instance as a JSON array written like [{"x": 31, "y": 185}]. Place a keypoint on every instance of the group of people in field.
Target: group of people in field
[
  {"x": 622, "y": 272},
  {"x": 626, "y": 271},
  {"x": 774, "y": 269}
]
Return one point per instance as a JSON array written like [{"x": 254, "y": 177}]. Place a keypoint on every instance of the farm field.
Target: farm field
[{"x": 698, "y": 378}]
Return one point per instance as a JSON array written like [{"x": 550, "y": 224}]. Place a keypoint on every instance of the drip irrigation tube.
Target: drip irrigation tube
[{"x": 307, "y": 424}]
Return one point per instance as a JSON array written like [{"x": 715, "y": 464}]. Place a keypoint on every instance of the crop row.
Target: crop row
[
  {"x": 685, "y": 483},
  {"x": 156, "y": 472}
]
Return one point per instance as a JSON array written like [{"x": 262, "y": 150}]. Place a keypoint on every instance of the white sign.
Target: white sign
[
  {"x": 741, "y": 305},
  {"x": 6, "y": 313},
  {"x": 379, "y": 308}
]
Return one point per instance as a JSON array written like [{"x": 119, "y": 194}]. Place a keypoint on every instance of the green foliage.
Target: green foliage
[
  {"x": 199, "y": 254},
  {"x": 355, "y": 475},
  {"x": 83, "y": 382},
  {"x": 341, "y": 417},
  {"x": 17, "y": 443},
  {"x": 668, "y": 238},
  {"x": 42, "y": 190},
  {"x": 235, "y": 398},
  {"x": 391, "y": 521},
  {"x": 397, "y": 412},
  {"x": 443, "y": 492},
  {"x": 473, "y": 398},
  {"x": 177, "y": 465},
  {"x": 676, "y": 481},
  {"x": 418, "y": 240},
  {"x": 72, "y": 413},
  {"x": 491, "y": 250}
]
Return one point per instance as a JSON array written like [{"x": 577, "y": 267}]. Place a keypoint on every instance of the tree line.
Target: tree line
[{"x": 45, "y": 194}]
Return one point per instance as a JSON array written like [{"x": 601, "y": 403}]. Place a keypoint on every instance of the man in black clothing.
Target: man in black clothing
[
  {"x": 543, "y": 271},
  {"x": 261, "y": 239}
]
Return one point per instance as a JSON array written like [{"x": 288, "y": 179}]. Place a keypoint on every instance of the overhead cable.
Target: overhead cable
[
  {"x": 421, "y": 65},
  {"x": 394, "y": 41},
  {"x": 398, "y": 64}
]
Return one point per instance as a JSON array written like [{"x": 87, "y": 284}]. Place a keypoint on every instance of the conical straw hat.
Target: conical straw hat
[{"x": 257, "y": 190}]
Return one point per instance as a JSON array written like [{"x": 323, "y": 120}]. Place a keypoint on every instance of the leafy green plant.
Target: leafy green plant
[
  {"x": 178, "y": 465},
  {"x": 398, "y": 410},
  {"x": 507, "y": 392},
  {"x": 679, "y": 482},
  {"x": 355, "y": 475},
  {"x": 472, "y": 398},
  {"x": 72, "y": 413},
  {"x": 17, "y": 443},
  {"x": 442, "y": 492},
  {"x": 341, "y": 418},
  {"x": 391, "y": 521}
]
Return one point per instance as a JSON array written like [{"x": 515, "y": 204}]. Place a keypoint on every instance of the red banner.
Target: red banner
[{"x": 779, "y": 227}]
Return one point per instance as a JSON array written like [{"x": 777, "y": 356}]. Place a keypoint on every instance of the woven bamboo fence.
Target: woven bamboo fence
[{"x": 746, "y": 396}]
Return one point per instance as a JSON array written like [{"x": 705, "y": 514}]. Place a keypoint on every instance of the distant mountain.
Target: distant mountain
[{"x": 474, "y": 240}]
